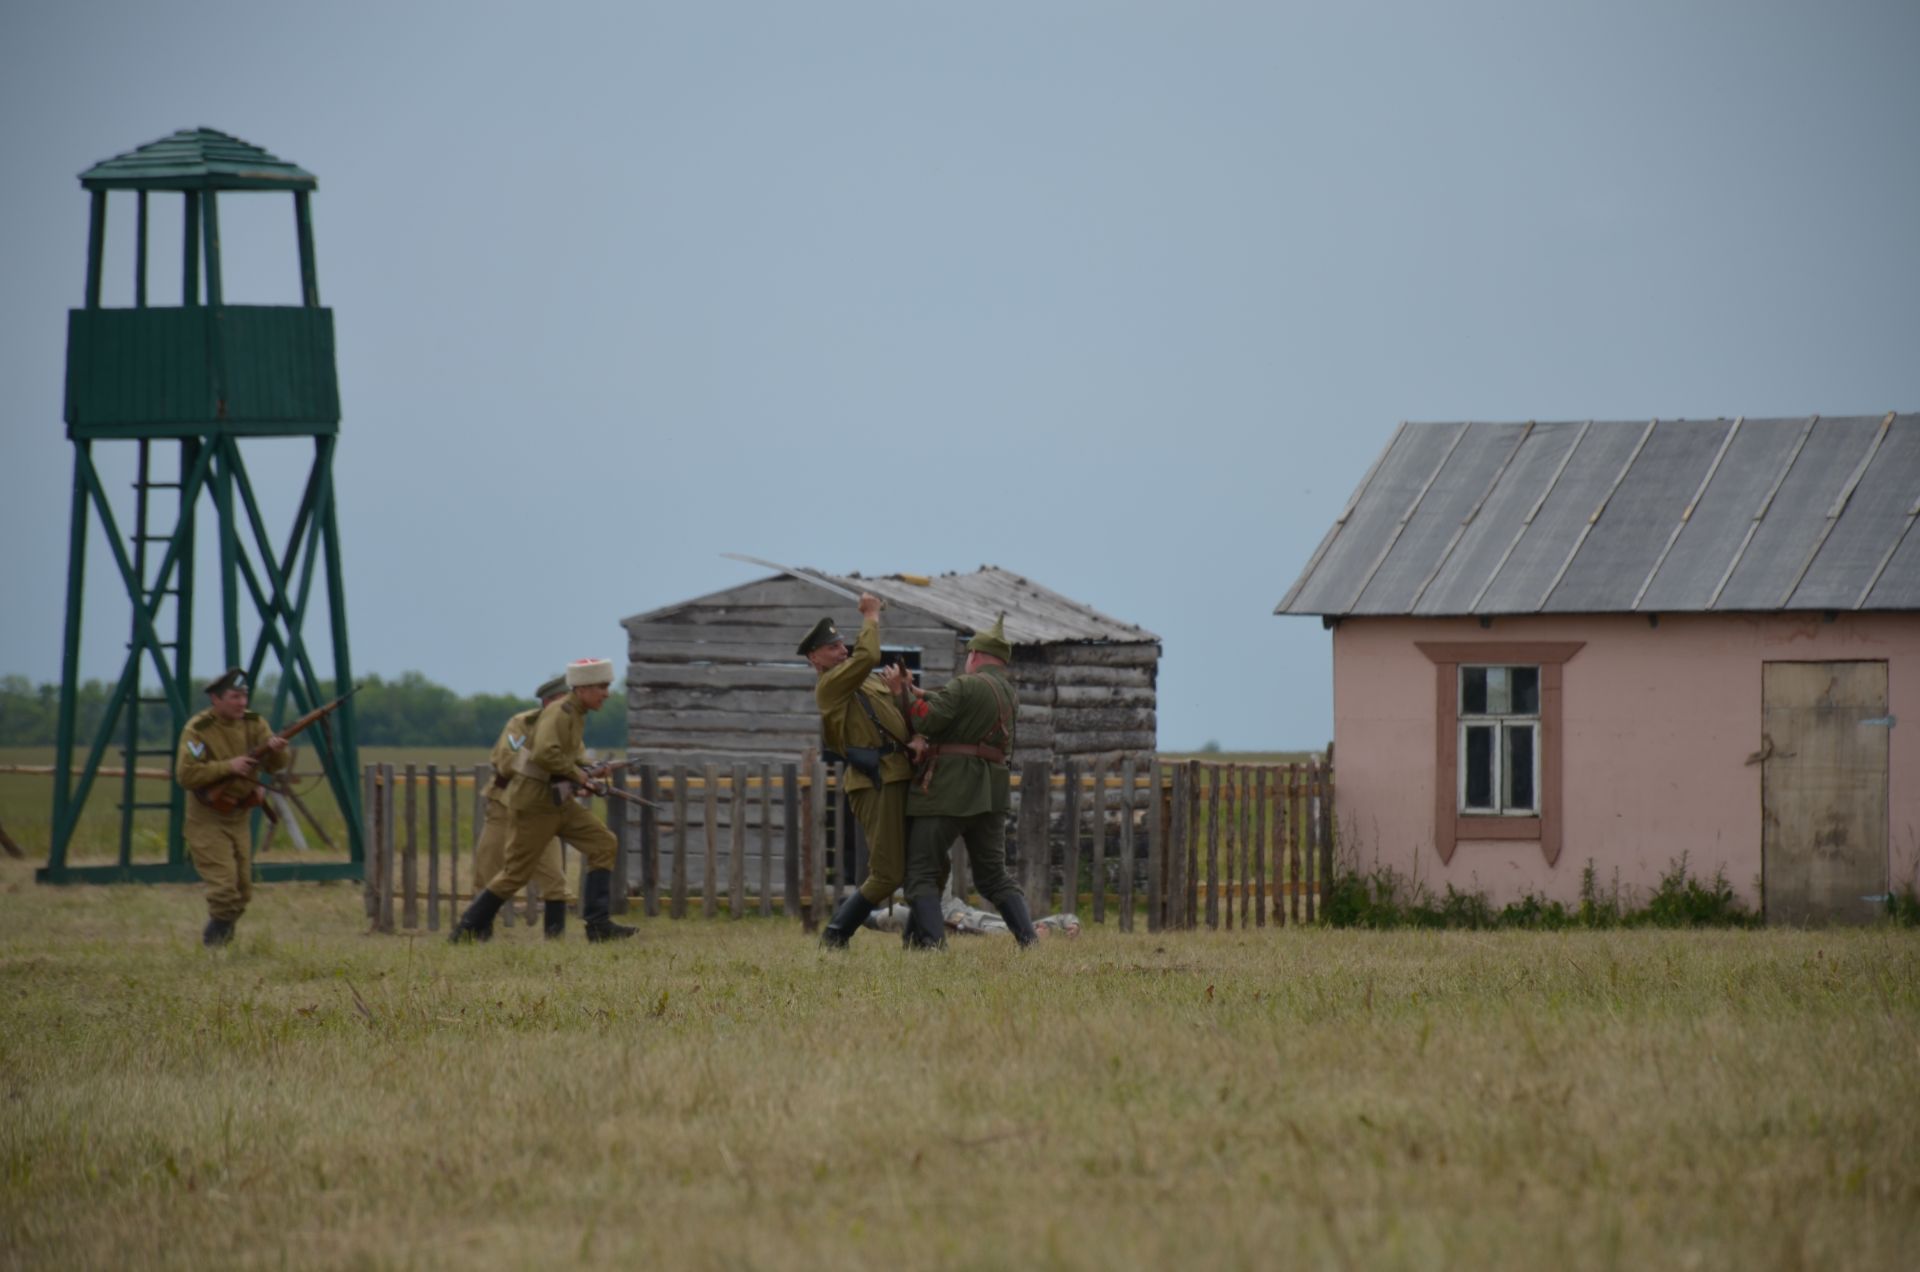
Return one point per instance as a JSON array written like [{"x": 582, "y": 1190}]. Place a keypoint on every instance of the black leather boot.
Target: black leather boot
[
  {"x": 846, "y": 921},
  {"x": 1013, "y": 908},
  {"x": 219, "y": 932},
  {"x": 596, "y": 903},
  {"x": 556, "y": 920},
  {"x": 477, "y": 923},
  {"x": 929, "y": 924}
]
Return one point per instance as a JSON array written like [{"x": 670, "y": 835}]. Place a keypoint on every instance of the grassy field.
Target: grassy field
[{"x": 724, "y": 1095}]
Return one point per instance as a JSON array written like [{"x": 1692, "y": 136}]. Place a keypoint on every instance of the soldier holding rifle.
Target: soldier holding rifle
[
  {"x": 540, "y": 799},
  {"x": 490, "y": 853},
  {"x": 217, "y": 765}
]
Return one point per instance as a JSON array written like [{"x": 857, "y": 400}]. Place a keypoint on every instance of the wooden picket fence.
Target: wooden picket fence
[{"x": 1186, "y": 842}]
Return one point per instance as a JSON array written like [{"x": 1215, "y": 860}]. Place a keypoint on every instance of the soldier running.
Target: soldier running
[
  {"x": 490, "y": 852},
  {"x": 214, "y": 764},
  {"x": 540, "y": 799},
  {"x": 964, "y": 736}
]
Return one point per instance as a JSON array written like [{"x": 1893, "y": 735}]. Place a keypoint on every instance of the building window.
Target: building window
[
  {"x": 1499, "y": 742},
  {"x": 1497, "y": 717},
  {"x": 907, "y": 656}
]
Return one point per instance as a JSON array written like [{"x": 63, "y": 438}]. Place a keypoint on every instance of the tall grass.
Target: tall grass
[{"x": 724, "y": 1095}]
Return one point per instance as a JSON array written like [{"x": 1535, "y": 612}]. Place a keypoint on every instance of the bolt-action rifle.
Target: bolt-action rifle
[{"x": 223, "y": 800}]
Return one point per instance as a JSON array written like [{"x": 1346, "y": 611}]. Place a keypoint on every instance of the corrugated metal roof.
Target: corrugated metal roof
[
  {"x": 970, "y": 602},
  {"x": 197, "y": 159},
  {"x": 1662, "y": 516}
]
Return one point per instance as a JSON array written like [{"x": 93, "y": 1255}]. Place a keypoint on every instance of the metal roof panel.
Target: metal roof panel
[
  {"x": 1538, "y": 558},
  {"x": 1640, "y": 517},
  {"x": 1795, "y": 519},
  {"x": 1457, "y": 489},
  {"x": 1484, "y": 544},
  {"x": 1873, "y": 520},
  {"x": 1712, "y": 536}
]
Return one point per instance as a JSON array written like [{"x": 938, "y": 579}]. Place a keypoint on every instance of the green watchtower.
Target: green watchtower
[{"x": 195, "y": 380}]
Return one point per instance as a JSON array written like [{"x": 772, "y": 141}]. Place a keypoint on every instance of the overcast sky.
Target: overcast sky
[{"x": 1123, "y": 297}]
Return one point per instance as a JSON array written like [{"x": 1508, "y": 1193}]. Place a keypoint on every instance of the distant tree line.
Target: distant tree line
[{"x": 409, "y": 710}]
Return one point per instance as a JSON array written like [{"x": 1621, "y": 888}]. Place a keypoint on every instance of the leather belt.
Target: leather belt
[{"x": 991, "y": 754}]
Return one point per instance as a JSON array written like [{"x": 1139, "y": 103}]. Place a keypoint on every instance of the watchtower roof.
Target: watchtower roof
[{"x": 197, "y": 159}]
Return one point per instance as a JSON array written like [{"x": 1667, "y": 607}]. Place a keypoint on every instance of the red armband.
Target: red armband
[{"x": 920, "y": 709}]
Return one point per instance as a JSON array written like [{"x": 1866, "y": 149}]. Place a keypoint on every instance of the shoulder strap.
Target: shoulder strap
[
  {"x": 866, "y": 706},
  {"x": 1003, "y": 709}
]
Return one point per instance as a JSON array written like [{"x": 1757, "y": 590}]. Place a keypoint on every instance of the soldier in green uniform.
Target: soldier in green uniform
[
  {"x": 215, "y": 766},
  {"x": 860, "y": 721},
  {"x": 490, "y": 852},
  {"x": 964, "y": 737},
  {"x": 541, "y": 804}
]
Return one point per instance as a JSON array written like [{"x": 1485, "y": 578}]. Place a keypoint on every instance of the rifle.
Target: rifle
[{"x": 224, "y": 801}]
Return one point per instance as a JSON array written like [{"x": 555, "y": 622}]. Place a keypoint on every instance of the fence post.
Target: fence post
[
  {"x": 815, "y": 854},
  {"x": 453, "y": 843},
  {"x": 387, "y": 881},
  {"x": 790, "y": 839},
  {"x": 1155, "y": 824},
  {"x": 766, "y": 839},
  {"x": 1127, "y": 805},
  {"x": 710, "y": 857},
  {"x": 1070, "y": 846},
  {"x": 620, "y": 821},
  {"x": 433, "y": 847},
  {"x": 1097, "y": 866},
  {"x": 410, "y": 863},
  {"x": 737, "y": 844},
  {"x": 1036, "y": 792},
  {"x": 678, "y": 904},
  {"x": 370, "y": 861},
  {"x": 650, "y": 841}
]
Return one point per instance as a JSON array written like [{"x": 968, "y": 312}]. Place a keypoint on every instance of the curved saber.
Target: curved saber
[{"x": 818, "y": 580}]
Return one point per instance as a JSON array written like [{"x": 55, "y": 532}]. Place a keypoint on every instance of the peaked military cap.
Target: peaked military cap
[
  {"x": 551, "y": 687},
  {"x": 823, "y": 633},
  {"x": 232, "y": 678},
  {"x": 993, "y": 641}
]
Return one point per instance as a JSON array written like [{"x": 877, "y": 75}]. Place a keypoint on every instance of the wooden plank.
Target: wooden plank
[
  {"x": 388, "y": 790},
  {"x": 1070, "y": 846},
  {"x": 410, "y": 863},
  {"x": 678, "y": 903},
  {"x": 700, "y": 721},
  {"x": 1111, "y": 741},
  {"x": 1031, "y": 833},
  {"x": 1180, "y": 848},
  {"x": 1068, "y": 721},
  {"x": 1295, "y": 833},
  {"x": 737, "y": 848},
  {"x": 369, "y": 839},
  {"x": 433, "y": 847},
  {"x": 1099, "y": 846},
  {"x": 766, "y": 840},
  {"x": 1262, "y": 837},
  {"x": 645, "y": 703},
  {"x": 719, "y": 677},
  {"x": 454, "y": 896},
  {"x": 710, "y": 858},
  {"x": 669, "y": 748},
  {"x": 1128, "y": 802},
  {"x": 1213, "y": 849},
  {"x": 1196, "y": 834},
  {"x": 1078, "y": 677},
  {"x": 1128, "y": 655},
  {"x": 1324, "y": 873},
  {"x": 1249, "y": 775},
  {"x": 1103, "y": 697}
]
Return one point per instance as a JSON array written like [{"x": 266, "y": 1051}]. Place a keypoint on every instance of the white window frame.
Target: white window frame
[{"x": 1501, "y": 724}]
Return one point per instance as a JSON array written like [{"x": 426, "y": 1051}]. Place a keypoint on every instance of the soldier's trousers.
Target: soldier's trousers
[
  {"x": 491, "y": 853},
  {"x": 221, "y": 848},
  {"x": 883, "y": 816},
  {"x": 930, "y": 840},
  {"x": 529, "y": 829}
]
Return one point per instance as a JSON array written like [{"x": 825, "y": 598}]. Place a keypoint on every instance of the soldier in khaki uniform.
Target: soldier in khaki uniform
[
  {"x": 490, "y": 852},
  {"x": 214, "y": 765},
  {"x": 541, "y": 804},
  {"x": 964, "y": 738},
  {"x": 860, "y": 721}
]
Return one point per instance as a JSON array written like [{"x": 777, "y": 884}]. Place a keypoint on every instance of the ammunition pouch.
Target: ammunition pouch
[{"x": 862, "y": 759}]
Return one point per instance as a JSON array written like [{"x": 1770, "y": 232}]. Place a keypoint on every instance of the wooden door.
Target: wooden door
[{"x": 1823, "y": 791}]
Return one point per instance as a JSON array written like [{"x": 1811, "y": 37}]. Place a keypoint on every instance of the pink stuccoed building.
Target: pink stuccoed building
[{"x": 1616, "y": 643}]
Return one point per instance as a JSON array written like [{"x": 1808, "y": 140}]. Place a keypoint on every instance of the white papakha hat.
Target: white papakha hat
[{"x": 589, "y": 671}]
